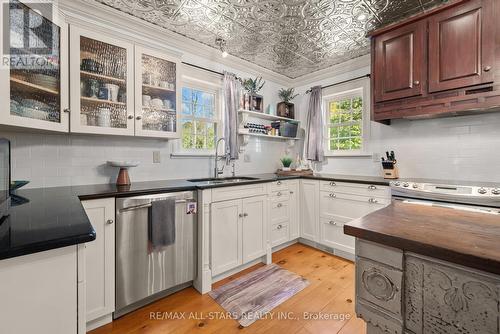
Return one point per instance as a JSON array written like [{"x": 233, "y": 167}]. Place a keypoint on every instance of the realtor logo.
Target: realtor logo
[{"x": 30, "y": 39}]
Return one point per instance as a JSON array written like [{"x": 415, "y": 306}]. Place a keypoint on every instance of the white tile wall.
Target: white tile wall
[
  {"x": 461, "y": 148},
  {"x": 50, "y": 160}
]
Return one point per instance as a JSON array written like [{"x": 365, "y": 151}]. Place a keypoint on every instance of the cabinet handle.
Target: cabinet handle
[
  {"x": 372, "y": 200},
  {"x": 110, "y": 221},
  {"x": 279, "y": 205},
  {"x": 130, "y": 117},
  {"x": 291, "y": 192},
  {"x": 331, "y": 222},
  {"x": 67, "y": 110},
  {"x": 138, "y": 118},
  {"x": 487, "y": 68},
  {"x": 245, "y": 215},
  {"x": 332, "y": 183},
  {"x": 240, "y": 215},
  {"x": 372, "y": 187},
  {"x": 278, "y": 183},
  {"x": 416, "y": 82},
  {"x": 279, "y": 227},
  {"x": 332, "y": 195}
]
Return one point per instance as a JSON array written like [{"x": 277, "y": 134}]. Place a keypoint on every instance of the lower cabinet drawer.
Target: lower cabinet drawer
[
  {"x": 279, "y": 210},
  {"x": 280, "y": 233},
  {"x": 349, "y": 206},
  {"x": 234, "y": 192},
  {"x": 332, "y": 235},
  {"x": 380, "y": 285},
  {"x": 356, "y": 189}
]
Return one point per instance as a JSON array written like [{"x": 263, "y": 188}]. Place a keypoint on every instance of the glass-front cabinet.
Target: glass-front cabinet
[
  {"x": 102, "y": 83},
  {"x": 157, "y": 96},
  {"x": 33, "y": 70}
]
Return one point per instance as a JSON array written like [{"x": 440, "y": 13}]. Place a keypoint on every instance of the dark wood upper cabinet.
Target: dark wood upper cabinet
[
  {"x": 443, "y": 62},
  {"x": 399, "y": 63},
  {"x": 461, "y": 46}
]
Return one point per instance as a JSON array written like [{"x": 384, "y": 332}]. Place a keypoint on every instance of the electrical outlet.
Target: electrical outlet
[
  {"x": 247, "y": 158},
  {"x": 156, "y": 157}
]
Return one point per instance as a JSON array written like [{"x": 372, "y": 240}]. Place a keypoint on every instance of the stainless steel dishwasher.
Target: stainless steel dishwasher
[{"x": 143, "y": 274}]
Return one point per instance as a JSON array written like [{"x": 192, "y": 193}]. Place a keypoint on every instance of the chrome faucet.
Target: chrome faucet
[{"x": 218, "y": 171}]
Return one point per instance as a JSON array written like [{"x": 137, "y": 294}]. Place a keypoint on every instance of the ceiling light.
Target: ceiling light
[{"x": 221, "y": 43}]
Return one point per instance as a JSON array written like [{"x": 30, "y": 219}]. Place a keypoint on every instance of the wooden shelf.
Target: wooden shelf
[
  {"x": 244, "y": 133},
  {"x": 266, "y": 116},
  {"x": 102, "y": 77},
  {"x": 29, "y": 85},
  {"x": 98, "y": 101},
  {"x": 157, "y": 89}
]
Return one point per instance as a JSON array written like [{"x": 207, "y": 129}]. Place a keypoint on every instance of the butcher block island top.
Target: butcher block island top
[{"x": 467, "y": 238}]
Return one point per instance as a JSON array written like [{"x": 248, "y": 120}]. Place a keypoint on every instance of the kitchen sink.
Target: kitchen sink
[{"x": 222, "y": 180}]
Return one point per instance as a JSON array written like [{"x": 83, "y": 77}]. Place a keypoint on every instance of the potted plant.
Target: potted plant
[
  {"x": 285, "y": 108},
  {"x": 287, "y": 162},
  {"x": 251, "y": 99}
]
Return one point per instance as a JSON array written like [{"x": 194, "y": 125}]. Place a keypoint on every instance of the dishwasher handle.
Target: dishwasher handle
[{"x": 147, "y": 205}]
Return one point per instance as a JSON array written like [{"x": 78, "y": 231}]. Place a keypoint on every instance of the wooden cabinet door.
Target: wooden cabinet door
[
  {"x": 254, "y": 228},
  {"x": 100, "y": 259},
  {"x": 399, "y": 63},
  {"x": 226, "y": 235},
  {"x": 461, "y": 46},
  {"x": 309, "y": 209}
]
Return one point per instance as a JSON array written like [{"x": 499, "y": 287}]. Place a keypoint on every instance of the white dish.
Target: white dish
[{"x": 123, "y": 164}]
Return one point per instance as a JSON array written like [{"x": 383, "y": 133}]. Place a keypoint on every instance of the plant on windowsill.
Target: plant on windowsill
[
  {"x": 287, "y": 162},
  {"x": 251, "y": 100},
  {"x": 285, "y": 108}
]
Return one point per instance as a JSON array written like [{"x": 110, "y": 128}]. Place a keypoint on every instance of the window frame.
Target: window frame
[
  {"x": 209, "y": 87},
  {"x": 355, "y": 88}
]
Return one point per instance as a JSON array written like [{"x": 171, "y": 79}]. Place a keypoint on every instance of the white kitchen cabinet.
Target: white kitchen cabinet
[
  {"x": 225, "y": 238},
  {"x": 294, "y": 224},
  {"x": 102, "y": 83},
  {"x": 38, "y": 293},
  {"x": 254, "y": 228},
  {"x": 309, "y": 210},
  {"x": 35, "y": 96},
  {"x": 283, "y": 211},
  {"x": 157, "y": 97},
  {"x": 332, "y": 235},
  {"x": 238, "y": 232},
  {"x": 100, "y": 263}
]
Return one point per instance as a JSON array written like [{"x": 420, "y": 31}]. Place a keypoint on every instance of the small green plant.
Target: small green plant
[
  {"x": 287, "y": 95},
  {"x": 253, "y": 86},
  {"x": 286, "y": 161}
]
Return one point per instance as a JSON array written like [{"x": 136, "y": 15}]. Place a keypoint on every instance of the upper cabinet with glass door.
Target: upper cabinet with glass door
[
  {"x": 157, "y": 94},
  {"x": 33, "y": 75},
  {"x": 101, "y": 70}
]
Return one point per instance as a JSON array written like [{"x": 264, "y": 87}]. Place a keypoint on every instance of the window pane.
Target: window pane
[
  {"x": 344, "y": 144},
  {"x": 345, "y": 105},
  {"x": 201, "y": 128},
  {"x": 210, "y": 135},
  {"x": 356, "y": 130},
  {"x": 357, "y": 103},
  {"x": 186, "y": 108},
  {"x": 356, "y": 143},
  {"x": 334, "y": 132},
  {"x": 345, "y": 117},
  {"x": 208, "y": 111},
  {"x": 208, "y": 99},
  {"x": 357, "y": 114},
  {"x": 197, "y": 96},
  {"x": 186, "y": 94},
  {"x": 344, "y": 131},
  {"x": 198, "y": 110},
  {"x": 333, "y": 145},
  {"x": 200, "y": 142}
]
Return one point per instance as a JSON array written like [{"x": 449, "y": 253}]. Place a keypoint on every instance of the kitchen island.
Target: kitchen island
[{"x": 425, "y": 269}]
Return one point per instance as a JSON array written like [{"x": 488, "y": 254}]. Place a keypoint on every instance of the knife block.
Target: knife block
[{"x": 391, "y": 173}]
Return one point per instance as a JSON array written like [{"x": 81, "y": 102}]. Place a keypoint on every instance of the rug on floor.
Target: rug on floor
[{"x": 252, "y": 296}]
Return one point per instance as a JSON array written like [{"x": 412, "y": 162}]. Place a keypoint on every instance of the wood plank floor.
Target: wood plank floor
[{"x": 330, "y": 294}]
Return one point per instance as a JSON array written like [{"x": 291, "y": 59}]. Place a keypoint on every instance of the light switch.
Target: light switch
[{"x": 156, "y": 157}]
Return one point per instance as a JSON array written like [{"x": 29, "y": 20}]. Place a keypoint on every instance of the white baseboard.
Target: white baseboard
[
  {"x": 238, "y": 269},
  {"x": 104, "y": 320}
]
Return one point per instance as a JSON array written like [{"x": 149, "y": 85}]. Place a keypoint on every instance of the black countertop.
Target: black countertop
[{"x": 54, "y": 217}]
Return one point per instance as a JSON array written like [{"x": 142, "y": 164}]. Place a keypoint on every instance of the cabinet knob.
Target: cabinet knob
[
  {"x": 331, "y": 222},
  {"x": 332, "y": 183},
  {"x": 130, "y": 117},
  {"x": 110, "y": 221},
  {"x": 278, "y": 183},
  {"x": 279, "y": 227},
  {"x": 291, "y": 192},
  {"x": 416, "y": 82},
  {"x": 279, "y": 205},
  {"x": 245, "y": 215},
  {"x": 240, "y": 215},
  {"x": 279, "y": 193},
  {"x": 372, "y": 187},
  {"x": 138, "y": 118},
  {"x": 332, "y": 195},
  {"x": 372, "y": 200},
  {"x": 66, "y": 110},
  {"x": 487, "y": 68}
]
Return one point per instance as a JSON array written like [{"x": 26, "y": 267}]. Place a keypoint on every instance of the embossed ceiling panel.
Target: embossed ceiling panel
[{"x": 290, "y": 37}]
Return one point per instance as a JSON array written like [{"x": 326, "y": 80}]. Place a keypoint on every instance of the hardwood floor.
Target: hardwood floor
[{"x": 330, "y": 294}]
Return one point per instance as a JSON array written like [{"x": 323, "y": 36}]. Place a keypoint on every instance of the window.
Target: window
[
  {"x": 347, "y": 120},
  {"x": 199, "y": 119}
]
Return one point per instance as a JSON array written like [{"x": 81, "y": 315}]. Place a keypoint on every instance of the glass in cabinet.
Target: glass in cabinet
[
  {"x": 33, "y": 73},
  {"x": 102, "y": 84},
  {"x": 157, "y": 93}
]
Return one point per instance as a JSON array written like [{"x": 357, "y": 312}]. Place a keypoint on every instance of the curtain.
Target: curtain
[
  {"x": 314, "y": 142},
  {"x": 232, "y": 89}
]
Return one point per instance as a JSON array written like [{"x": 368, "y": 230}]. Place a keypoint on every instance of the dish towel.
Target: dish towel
[{"x": 161, "y": 227}]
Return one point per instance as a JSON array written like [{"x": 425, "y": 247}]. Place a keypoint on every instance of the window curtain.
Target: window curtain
[
  {"x": 314, "y": 142},
  {"x": 232, "y": 88}
]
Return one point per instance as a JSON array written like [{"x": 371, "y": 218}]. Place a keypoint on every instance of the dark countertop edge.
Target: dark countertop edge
[
  {"x": 108, "y": 194},
  {"x": 467, "y": 260},
  {"x": 385, "y": 182},
  {"x": 47, "y": 245}
]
